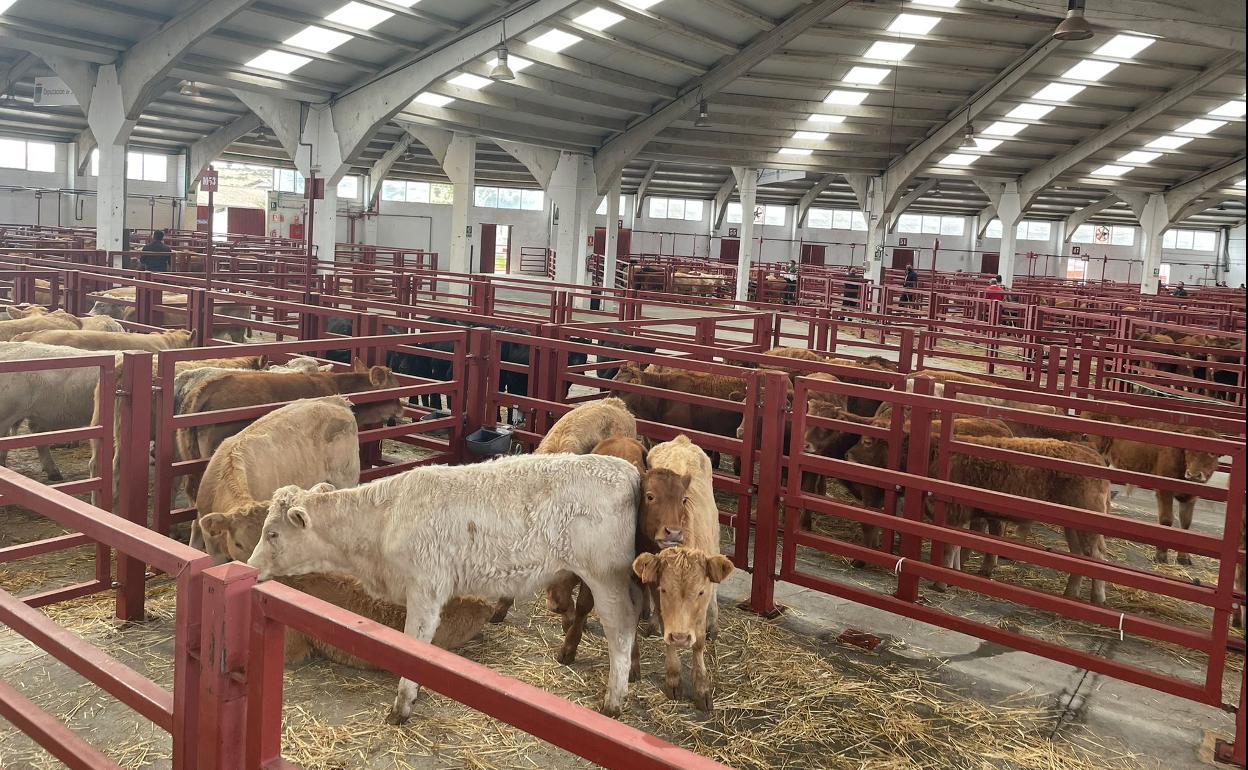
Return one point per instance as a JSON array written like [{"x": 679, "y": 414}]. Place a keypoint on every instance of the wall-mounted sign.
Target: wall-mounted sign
[
  {"x": 1076, "y": 250},
  {"x": 52, "y": 92},
  {"x": 903, "y": 241},
  {"x": 621, "y": 225},
  {"x": 732, "y": 232}
]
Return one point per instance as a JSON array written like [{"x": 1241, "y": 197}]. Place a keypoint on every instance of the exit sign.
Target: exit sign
[{"x": 208, "y": 180}]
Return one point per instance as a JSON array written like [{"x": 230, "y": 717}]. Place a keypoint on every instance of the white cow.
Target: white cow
[
  {"x": 52, "y": 399},
  {"x": 495, "y": 529}
]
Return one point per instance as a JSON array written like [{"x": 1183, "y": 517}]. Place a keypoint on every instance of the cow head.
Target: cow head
[
  {"x": 26, "y": 311},
  {"x": 233, "y": 534},
  {"x": 664, "y": 497},
  {"x": 821, "y": 440},
  {"x": 1199, "y": 466},
  {"x": 291, "y": 543},
  {"x": 869, "y": 451},
  {"x": 179, "y": 338},
  {"x": 685, "y": 578}
]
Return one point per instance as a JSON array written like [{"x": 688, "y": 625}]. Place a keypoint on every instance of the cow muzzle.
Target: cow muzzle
[
  {"x": 671, "y": 538},
  {"x": 680, "y": 639},
  {"x": 1198, "y": 476}
]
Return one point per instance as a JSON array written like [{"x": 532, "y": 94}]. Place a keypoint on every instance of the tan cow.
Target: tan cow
[
  {"x": 687, "y": 576},
  {"x": 15, "y": 330},
  {"x": 246, "y": 388},
  {"x": 1158, "y": 460},
  {"x": 123, "y": 310},
  {"x": 155, "y": 342}
]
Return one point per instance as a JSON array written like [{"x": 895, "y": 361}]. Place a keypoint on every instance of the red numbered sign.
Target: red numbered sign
[{"x": 208, "y": 180}]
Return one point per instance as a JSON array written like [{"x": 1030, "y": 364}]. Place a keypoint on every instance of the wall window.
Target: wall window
[
  {"x": 416, "y": 192},
  {"x": 1118, "y": 235},
  {"x": 1076, "y": 269},
  {"x": 509, "y": 198},
  {"x": 819, "y": 219},
  {"x": 30, "y": 156},
  {"x": 993, "y": 230},
  {"x": 140, "y": 166},
  {"x": 763, "y": 215},
  {"x": 1163, "y": 273},
  {"x": 677, "y": 208},
  {"x": 602, "y": 207},
  {"x": 836, "y": 219},
  {"x": 1027, "y": 230},
  {"x": 930, "y": 223},
  {"x": 287, "y": 180},
  {"x": 1190, "y": 240},
  {"x": 349, "y": 187}
]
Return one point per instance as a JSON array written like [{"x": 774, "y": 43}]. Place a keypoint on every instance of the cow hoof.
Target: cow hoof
[
  {"x": 704, "y": 702},
  {"x": 1184, "y": 558},
  {"x": 1162, "y": 558},
  {"x": 610, "y": 710},
  {"x": 396, "y": 718},
  {"x": 672, "y": 691},
  {"x": 941, "y": 587},
  {"x": 55, "y": 476},
  {"x": 858, "y": 563},
  {"x": 566, "y": 656}
]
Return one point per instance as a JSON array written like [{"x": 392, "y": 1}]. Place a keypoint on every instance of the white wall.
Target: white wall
[
  {"x": 428, "y": 226},
  {"x": 1235, "y": 276}
]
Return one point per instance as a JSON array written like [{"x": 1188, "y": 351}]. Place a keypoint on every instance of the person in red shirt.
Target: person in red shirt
[{"x": 995, "y": 290}]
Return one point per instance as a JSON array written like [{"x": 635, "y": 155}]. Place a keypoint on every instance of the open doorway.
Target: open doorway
[{"x": 502, "y": 249}]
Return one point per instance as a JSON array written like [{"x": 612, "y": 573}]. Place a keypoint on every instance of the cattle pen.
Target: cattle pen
[{"x": 792, "y": 661}]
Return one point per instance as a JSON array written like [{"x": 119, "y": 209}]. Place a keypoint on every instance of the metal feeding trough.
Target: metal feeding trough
[
  {"x": 489, "y": 442},
  {"x": 436, "y": 414}
]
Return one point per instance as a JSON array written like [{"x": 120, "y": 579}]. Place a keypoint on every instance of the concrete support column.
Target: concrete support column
[
  {"x": 574, "y": 193},
  {"x": 325, "y": 225},
  {"x": 368, "y": 227},
  {"x": 1153, "y": 225},
  {"x": 461, "y": 166},
  {"x": 110, "y": 198},
  {"x": 1009, "y": 211},
  {"x": 610, "y": 258},
  {"x": 877, "y": 230},
  {"x": 747, "y": 189}
]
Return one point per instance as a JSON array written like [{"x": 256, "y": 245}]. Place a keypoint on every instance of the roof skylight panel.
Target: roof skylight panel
[
  {"x": 1232, "y": 109},
  {"x": 1201, "y": 126},
  {"x": 358, "y": 15},
  {"x": 870, "y": 76},
  {"x": 958, "y": 159},
  {"x": 986, "y": 145},
  {"x": 555, "y": 40},
  {"x": 819, "y": 117},
  {"x": 1139, "y": 156},
  {"x": 1002, "y": 128},
  {"x": 839, "y": 96},
  {"x": 1241, "y": 183},
  {"x": 278, "y": 61},
  {"x": 1058, "y": 92},
  {"x": 913, "y": 24},
  {"x": 795, "y": 151},
  {"x": 1170, "y": 142},
  {"x": 1029, "y": 111},
  {"x": 599, "y": 19},
  {"x": 432, "y": 99},
  {"x": 318, "y": 39},
  {"x": 1124, "y": 46},
  {"x": 1090, "y": 69},
  {"x": 469, "y": 80},
  {"x": 884, "y": 51},
  {"x": 6, "y": 5},
  {"x": 1111, "y": 170},
  {"x": 810, "y": 135},
  {"x": 642, "y": 4}
]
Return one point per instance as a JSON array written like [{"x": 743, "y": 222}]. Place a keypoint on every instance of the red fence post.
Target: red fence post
[
  {"x": 131, "y": 440},
  {"x": 917, "y": 463},
  {"x": 767, "y": 522},
  {"x": 477, "y": 383},
  {"x": 223, "y": 655},
  {"x": 265, "y": 661}
]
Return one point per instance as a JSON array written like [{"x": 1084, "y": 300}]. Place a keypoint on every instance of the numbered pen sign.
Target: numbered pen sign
[
  {"x": 209, "y": 180},
  {"x": 1075, "y": 250},
  {"x": 903, "y": 241},
  {"x": 732, "y": 232}
]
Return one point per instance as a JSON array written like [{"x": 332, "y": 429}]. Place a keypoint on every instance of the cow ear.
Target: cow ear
[
  {"x": 378, "y": 375},
  {"x": 297, "y": 517},
  {"x": 646, "y": 568},
  {"x": 358, "y": 366},
  {"x": 718, "y": 568},
  {"x": 324, "y": 486},
  {"x": 685, "y": 481},
  {"x": 213, "y": 523}
]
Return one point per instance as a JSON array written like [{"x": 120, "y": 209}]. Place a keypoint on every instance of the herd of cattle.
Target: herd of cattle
[{"x": 593, "y": 515}]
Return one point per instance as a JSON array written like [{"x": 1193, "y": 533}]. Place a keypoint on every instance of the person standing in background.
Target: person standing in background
[{"x": 156, "y": 254}]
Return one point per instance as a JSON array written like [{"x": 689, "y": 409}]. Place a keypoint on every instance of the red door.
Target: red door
[
  {"x": 201, "y": 218},
  {"x": 600, "y": 240},
  {"x": 489, "y": 239},
  {"x": 241, "y": 221},
  {"x": 813, "y": 254},
  {"x": 902, "y": 258},
  {"x": 729, "y": 250},
  {"x": 989, "y": 262}
]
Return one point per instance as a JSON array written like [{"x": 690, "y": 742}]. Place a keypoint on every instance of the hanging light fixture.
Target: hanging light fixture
[
  {"x": 1074, "y": 26},
  {"x": 501, "y": 71},
  {"x": 704, "y": 115},
  {"x": 189, "y": 88},
  {"x": 968, "y": 137}
]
